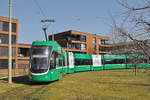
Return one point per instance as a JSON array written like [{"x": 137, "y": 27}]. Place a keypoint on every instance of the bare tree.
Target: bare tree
[
  {"x": 133, "y": 33},
  {"x": 135, "y": 26}
]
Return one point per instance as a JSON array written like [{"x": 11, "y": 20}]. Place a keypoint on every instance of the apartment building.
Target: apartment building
[
  {"x": 80, "y": 42},
  {"x": 17, "y": 49}
]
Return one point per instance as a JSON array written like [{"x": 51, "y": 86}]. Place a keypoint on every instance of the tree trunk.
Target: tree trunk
[{"x": 135, "y": 70}]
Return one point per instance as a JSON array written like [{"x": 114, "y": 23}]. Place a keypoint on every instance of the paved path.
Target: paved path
[{"x": 12, "y": 77}]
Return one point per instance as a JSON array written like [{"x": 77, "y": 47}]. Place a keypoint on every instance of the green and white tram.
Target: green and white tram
[{"x": 49, "y": 62}]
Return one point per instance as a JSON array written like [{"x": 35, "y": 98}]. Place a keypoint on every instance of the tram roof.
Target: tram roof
[
  {"x": 54, "y": 44},
  {"x": 45, "y": 43}
]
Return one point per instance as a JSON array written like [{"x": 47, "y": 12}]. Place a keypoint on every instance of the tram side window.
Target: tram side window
[
  {"x": 60, "y": 60},
  {"x": 141, "y": 61},
  {"x": 55, "y": 60},
  {"x": 114, "y": 61},
  {"x": 145, "y": 61},
  {"x": 128, "y": 61},
  {"x": 64, "y": 61},
  {"x": 79, "y": 62}
]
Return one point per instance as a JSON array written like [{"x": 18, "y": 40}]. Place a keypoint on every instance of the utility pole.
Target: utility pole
[{"x": 9, "y": 44}]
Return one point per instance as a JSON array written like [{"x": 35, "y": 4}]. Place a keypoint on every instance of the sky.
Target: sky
[{"x": 89, "y": 16}]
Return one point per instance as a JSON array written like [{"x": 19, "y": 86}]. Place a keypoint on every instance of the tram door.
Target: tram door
[
  {"x": 97, "y": 60},
  {"x": 70, "y": 62},
  {"x": 56, "y": 65},
  {"x": 56, "y": 61}
]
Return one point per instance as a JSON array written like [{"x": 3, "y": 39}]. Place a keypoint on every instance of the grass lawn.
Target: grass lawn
[{"x": 94, "y": 85}]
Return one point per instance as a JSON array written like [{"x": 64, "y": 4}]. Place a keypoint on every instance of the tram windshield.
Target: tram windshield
[{"x": 40, "y": 58}]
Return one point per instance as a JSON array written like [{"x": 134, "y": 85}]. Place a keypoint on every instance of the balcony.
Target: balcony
[
  {"x": 74, "y": 37},
  {"x": 75, "y": 50}
]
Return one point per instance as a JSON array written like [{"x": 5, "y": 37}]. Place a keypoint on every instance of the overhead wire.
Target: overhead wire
[
  {"x": 41, "y": 10},
  {"x": 43, "y": 14}
]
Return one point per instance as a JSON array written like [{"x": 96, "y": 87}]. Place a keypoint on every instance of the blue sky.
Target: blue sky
[{"x": 91, "y": 16}]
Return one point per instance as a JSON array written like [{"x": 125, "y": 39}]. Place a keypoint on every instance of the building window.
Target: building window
[
  {"x": 4, "y": 64},
  {"x": 94, "y": 40},
  {"x": 94, "y": 47},
  {"x": 23, "y": 52},
  {"x": 13, "y": 39},
  {"x": 104, "y": 49},
  {"x": 4, "y": 26},
  {"x": 78, "y": 37},
  {"x": 102, "y": 41},
  {"x": 14, "y": 27},
  {"x": 101, "y": 49},
  {"x": 83, "y": 46},
  {"x": 106, "y": 42},
  {"x": 1, "y": 25},
  {"x": 4, "y": 51},
  {"x": 99, "y": 41},
  {"x": 75, "y": 37},
  {"x": 4, "y": 39},
  {"x": 83, "y": 38},
  {"x": 76, "y": 46}
]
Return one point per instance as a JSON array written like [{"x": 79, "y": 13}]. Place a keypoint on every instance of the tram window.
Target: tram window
[
  {"x": 64, "y": 61},
  {"x": 60, "y": 60},
  {"x": 53, "y": 61},
  {"x": 141, "y": 60},
  {"x": 128, "y": 61},
  {"x": 79, "y": 62},
  {"x": 56, "y": 60},
  {"x": 145, "y": 60},
  {"x": 114, "y": 61},
  {"x": 108, "y": 61}
]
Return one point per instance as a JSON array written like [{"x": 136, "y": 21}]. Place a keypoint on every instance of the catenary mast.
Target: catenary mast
[{"x": 10, "y": 44}]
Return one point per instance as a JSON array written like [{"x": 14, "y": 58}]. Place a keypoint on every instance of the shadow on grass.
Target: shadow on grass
[
  {"x": 25, "y": 80},
  {"x": 115, "y": 83}
]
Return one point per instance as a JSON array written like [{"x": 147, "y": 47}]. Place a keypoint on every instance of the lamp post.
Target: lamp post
[{"x": 9, "y": 44}]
